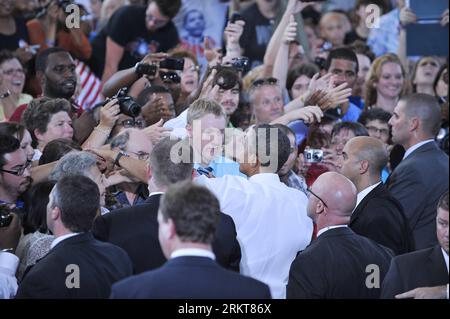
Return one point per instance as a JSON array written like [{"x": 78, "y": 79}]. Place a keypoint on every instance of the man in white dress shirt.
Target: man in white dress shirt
[{"x": 271, "y": 220}]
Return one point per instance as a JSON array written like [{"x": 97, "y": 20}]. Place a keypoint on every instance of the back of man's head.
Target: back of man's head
[
  {"x": 72, "y": 164},
  {"x": 271, "y": 146},
  {"x": 369, "y": 149},
  {"x": 78, "y": 199},
  {"x": 194, "y": 210},
  {"x": 337, "y": 192},
  {"x": 426, "y": 108},
  {"x": 170, "y": 162}
]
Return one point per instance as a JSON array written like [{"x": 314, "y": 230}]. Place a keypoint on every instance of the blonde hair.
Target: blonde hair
[
  {"x": 374, "y": 77},
  {"x": 202, "y": 107}
]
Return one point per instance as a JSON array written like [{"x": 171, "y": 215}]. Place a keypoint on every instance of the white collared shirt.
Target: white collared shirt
[
  {"x": 155, "y": 193},
  {"x": 197, "y": 252},
  {"x": 445, "y": 257},
  {"x": 414, "y": 147},
  {"x": 61, "y": 238},
  {"x": 8, "y": 282},
  {"x": 320, "y": 232},
  {"x": 271, "y": 224},
  {"x": 178, "y": 125},
  {"x": 364, "y": 193}
]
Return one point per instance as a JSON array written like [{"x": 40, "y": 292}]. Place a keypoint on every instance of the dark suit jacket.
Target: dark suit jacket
[
  {"x": 335, "y": 265},
  {"x": 190, "y": 277},
  {"x": 135, "y": 229},
  {"x": 423, "y": 268},
  {"x": 417, "y": 183},
  {"x": 99, "y": 266},
  {"x": 379, "y": 216}
]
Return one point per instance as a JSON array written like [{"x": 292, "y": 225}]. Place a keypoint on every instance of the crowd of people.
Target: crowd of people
[{"x": 221, "y": 149}]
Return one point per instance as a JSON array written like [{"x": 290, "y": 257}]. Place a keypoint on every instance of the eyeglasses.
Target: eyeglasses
[
  {"x": 312, "y": 193},
  {"x": 374, "y": 130},
  {"x": 132, "y": 123},
  {"x": 266, "y": 81},
  {"x": 13, "y": 71},
  {"x": 157, "y": 22},
  {"x": 170, "y": 77},
  {"x": 142, "y": 156},
  {"x": 20, "y": 171}
]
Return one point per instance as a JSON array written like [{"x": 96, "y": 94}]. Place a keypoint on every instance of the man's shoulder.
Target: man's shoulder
[{"x": 413, "y": 258}]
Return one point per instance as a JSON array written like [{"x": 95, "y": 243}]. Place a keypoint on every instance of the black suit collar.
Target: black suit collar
[
  {"x": 436, "y": 260},
  {"x": 373, "y": 193},
  {"x": 424, "y": 148},
  {"x": 340, "y": 231},
  {"x": 77, "y": 239},
  {"x": 153, "y": 198},
  {"x": 191, "y": 261}
]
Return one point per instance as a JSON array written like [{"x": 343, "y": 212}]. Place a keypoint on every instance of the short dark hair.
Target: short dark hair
[
  {"x": 13, "y": 129},
  {"x": 143, "y": 97},
  {"x": 78, "y": 198},
  {"x": 344, "y": 53},
  {"x": 357, "y": 128},
  {"x": 306, "y": 69},
  {"x": 36, "y": 202},
  {"x": 169, "y": 8},
  {"x": 264, "y": 142},
  {"x": 443, "y": 201},
  {"x": 56, "y": 149},
  {"x": 42, "y": 57},
  {"x": 38, "y": 114},
  {"x": 374, "y": 114},
  {"x": 6, "y": 55},
  {"x": 425, "y": 107},
  {"x": 360, "y": 47},
  {"x": 8, "y": 144},
  {"x": 165, "y": 171},
  {"x": 194, "y": 210}
]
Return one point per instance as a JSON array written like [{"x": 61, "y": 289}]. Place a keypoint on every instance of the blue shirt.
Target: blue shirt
[
  {"x": 222, "y": 166},
  {"x": 18, "y": 203},
  {"x": 352, "y": 114}
]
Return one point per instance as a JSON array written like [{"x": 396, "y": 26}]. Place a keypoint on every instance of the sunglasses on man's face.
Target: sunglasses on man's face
[
  {"x": 132, "y": 123},
  {"x": 170, "y": 77}
]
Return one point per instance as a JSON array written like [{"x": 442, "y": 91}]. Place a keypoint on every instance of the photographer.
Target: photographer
[{"x": 49, "y": 29}]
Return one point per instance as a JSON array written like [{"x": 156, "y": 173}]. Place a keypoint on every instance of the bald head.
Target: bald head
[
  {"x": 337, "y": 192},
  {"x": 365, "y": 148}
]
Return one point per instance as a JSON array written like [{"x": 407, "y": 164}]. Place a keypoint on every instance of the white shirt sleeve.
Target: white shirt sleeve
[{"x": 8, "y": 282}]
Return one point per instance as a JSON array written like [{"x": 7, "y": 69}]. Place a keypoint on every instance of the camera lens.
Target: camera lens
[{"x": 129, "y": 107}]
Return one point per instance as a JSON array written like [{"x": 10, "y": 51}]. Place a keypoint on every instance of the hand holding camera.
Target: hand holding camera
[
  {"x": 109, "y": 114},
  {"x": 10, "y": 229}
]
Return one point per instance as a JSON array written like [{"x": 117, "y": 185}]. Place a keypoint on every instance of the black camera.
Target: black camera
[
  {"x": 146, "y": 69},
  {"x": 170, "y": 77},
  {"x": 63, "y": 4},
  {"x": 127, "y": 105},
  {"x": 172, "y": 64},
  {"x": 5, "y": 215},
  {"x": 241, "y": 64}
]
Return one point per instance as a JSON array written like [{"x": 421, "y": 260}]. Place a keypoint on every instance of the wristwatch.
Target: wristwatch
[
  {"x": 5, "y": 95},
  {"x": 118, "y": 157}
]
